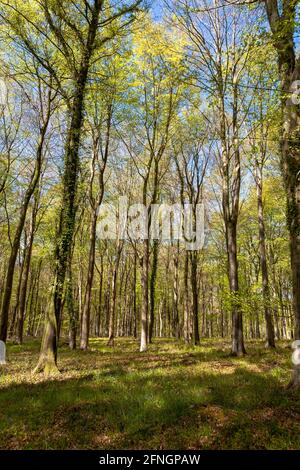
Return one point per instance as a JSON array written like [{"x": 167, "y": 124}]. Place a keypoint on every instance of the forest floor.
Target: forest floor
[{"x": 172, "y": 397}]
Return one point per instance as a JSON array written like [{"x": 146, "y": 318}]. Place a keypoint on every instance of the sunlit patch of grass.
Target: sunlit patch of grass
[{"x": 173, "y": 396}]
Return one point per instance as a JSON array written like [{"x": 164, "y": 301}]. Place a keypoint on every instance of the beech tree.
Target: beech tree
[
  {"x": 104, "y": 101},
  {"x": 218, "y": 64},
  {"x": 282, "y": 22},
  {"x": 158, "y": 81},
  {"x": 64, "y": 33},
  {"x": 34, "y": 180}
]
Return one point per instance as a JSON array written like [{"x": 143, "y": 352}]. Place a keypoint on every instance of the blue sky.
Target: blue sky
[
  {"x": 156, "y": 7},
  {"x": 157, "y": 11}
]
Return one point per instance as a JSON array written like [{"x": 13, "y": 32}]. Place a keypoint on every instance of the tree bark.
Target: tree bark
[
  {"x": 152, "y": 287},
  {"x": 48, "y": 355},
  {"x": 20, "y": 225},
  {"x": 270, "y": 336},
  {"x": 145, "y": 297},
  {"x": 238, "y": 348},
  {"x": 134, "y": 296},
  {"x": 27, "y": 261},
  {"x": 85, "y": 325},
  {"x": 186, "y": 312},
  {"x": 176, "y": 331},
  {"x": 283, "y": 24},
  {"x": 99, "y": 308},
  {"x": 112, "y": 303},
  {"x": 194, "y": 260}
]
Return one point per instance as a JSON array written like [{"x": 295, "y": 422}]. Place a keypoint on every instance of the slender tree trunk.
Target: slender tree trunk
[
  {"x": 270, "y": 336},
  {"x": 186, "y": 312},
  {"x": 85, "y": 325},
  {"x": 231, "y": 183},
  {"x": 175, "y": 293},
  {"x": 33, "y": 299},
  {"x": 134, "y": 296},
  {"x": 152, "y": 287},
  {"x": 113, "y": 298},
  {"x": 16, "y": 306},
  {"x": 99, "y": 308},
  {"x": 72, "y": 309},
  {"x": 19, "y": 229},
  {"x": 238, "y": 348},
  {"x": 145, "y": 298},
  {"x": 23, "y": 292},
  {"x": 112, "y": 309},
  {"x": 29, "y": 303},
  {"x": 194, "y": 260},
  {"x": 204, "y": 309}
]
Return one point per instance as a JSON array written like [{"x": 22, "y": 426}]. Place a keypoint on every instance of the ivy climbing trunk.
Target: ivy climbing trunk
[
  {"x": 282, "y": 20},
  {"x": 48, "y": 354}
]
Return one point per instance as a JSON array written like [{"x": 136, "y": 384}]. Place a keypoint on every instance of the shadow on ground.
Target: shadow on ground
[{"x": 168, "y": 398}]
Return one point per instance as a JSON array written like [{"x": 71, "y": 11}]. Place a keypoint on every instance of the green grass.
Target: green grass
[{"x": 172, "y": 397}]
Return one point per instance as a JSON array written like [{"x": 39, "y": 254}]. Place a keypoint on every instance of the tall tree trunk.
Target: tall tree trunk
[
  {"x": 152, "y": 287},
  {"x": 72, "y": 309},
  {"x": 95, "y": 205},
  {"x": 27, "y": 261},
  {"x": 145, "y": 296},
  {"x": 20, "y": 225},
  {"x": 283, "y": 24},
  {"x": 16, "y": 306},
  {"x": 48, "y": 355},
  {"x": 85, "y": 325},
  {"x": 270, "y": 336},
  {"x": 113, "y": 298},
  {"x": 99, "y": 308},
  {"x": 176, "y": 331},
  {"x": 231, "y": 182},
  {"x": 194, "y": 260},
  {"x": 35, "y": 281},
  {"x": 134, "y": 296},
  {"x": 238, "y": 348},
  {"x": 186, "y": 312}
]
